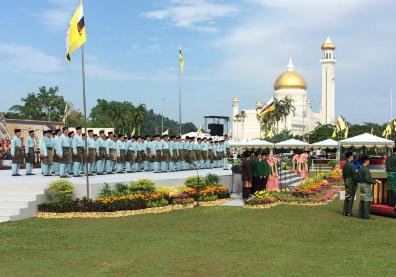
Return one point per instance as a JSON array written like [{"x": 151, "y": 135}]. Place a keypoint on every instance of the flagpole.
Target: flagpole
[
  {"x": 180, "y": 77},
  {"x": 85, "y": 118}
]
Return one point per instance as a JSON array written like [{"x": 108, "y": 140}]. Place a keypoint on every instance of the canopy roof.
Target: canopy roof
[
  {"x": 327, "y": 143},
  {"x": 251, "y": 143},
  {"x": 366, "y": 140},
  {"x": 194, "y": 134},
  {"x": 291, "y": 143}
]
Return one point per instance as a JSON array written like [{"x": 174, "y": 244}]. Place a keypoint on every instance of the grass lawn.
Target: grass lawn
[{"x": 216, "y": 241}]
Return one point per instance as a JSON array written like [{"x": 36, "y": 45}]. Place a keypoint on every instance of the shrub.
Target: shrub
[
  {"x": 143, "y": 186},
  {"x": 106, "y": 191},
  {"x": 212, "y": 179},
  {"x": 208, "y": 198},
  {"x": 61, "y": 191},
  {"x": 157, "y": 203},
  {"x": 195, "y": 182},
  {"x": 333, "y": 164},
  {"x": 121, "y": 189}
]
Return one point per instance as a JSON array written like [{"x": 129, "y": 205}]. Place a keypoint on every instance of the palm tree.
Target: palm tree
[
  {"x": 242, "y": 116},
  {"x": 140, "y": 115}
]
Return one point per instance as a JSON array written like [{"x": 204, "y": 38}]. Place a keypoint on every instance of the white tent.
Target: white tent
[
  {"x": 194, "y": 134},
  {"x": 257, "y": 143},
  {"x": 328, "y": 143},
  {"x": 366, "y": 140},
  {"x": 291, "y": 143}
]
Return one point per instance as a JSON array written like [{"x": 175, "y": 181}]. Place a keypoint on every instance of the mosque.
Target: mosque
[{"x": 292, "y": 85}]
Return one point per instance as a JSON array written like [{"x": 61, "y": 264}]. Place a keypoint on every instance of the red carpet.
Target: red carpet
[{"x": 384, "y": 210}]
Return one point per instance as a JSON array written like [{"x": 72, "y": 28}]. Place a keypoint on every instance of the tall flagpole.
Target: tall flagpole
[
  {"x": 180, "y": 109},
  {"x": 85, "y": 117}
]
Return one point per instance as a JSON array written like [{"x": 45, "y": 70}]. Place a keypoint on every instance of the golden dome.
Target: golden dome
[
  {"x": 328, "y": 45},
  {"x": 290, "y": 80}
]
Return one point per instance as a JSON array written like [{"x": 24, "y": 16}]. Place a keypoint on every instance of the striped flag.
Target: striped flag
[
  {"x": 133, "y": 132},
  {"x": 65, "y": 115},
  {"x": 166, "y": 132},
  {"x": 76, "y": 35},
  {"x": 267, "y": 107}
]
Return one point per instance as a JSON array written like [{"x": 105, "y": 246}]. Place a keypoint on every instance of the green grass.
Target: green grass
[{"x": 217, "y": 241}]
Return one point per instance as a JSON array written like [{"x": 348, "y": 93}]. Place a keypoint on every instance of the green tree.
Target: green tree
[
  {"x": 44, "y": 105},
  {"x": 320, "y": 133}
]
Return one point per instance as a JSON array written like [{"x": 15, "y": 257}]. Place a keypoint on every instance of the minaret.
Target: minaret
[
  {"x": 327, "y": 108},
  {"x": 235, "y": 111}
]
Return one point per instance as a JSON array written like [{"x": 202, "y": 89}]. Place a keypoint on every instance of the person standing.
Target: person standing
[
  {"x": 391, "y": 178},
  {"x": 365, "y": 181},
  {"x": 96, "y": 145},
  {"x": 120, "y": 149},
  {"x": 91, "y": 144},
  {"x": 148, "y": 164},
  {"x": 166, "y": 156},
  {"x": 64, "y": 153},
  {"x": 56, "y": 139},
  {"x": 246, "y": 170},
  {"x": 78, "y": 152},
  {"x": 16, "y": 152},
  {"x": 349, "y": 177},
  {"x": 227, "y": 152},
  {"x": 173, "y": 153},
  {"x": 158, "y": 153},
  {"x": 255, "y": 173},
  {"x": 263, "y": 172},
  {"x": 101, "y": 158},
  {"x": 111, "y": 153},
  {"x": 47, "y": 152},
  {"x": 30, "y": 146}
]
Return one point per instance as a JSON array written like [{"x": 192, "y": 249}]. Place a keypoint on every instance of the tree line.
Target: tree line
[{"x": 48, "y": 105}]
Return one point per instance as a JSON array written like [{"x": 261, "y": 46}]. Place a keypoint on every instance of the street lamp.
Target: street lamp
[{"x": 162, "y": 115}]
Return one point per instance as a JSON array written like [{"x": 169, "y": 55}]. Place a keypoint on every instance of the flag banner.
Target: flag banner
[
  {"x": 181, "y": 61},
  {"x": 267, "y": 107},
  {"x": 334, "y": 135},
  {"x": 166, "y": 132},
  {"x": 76, "y": 35},
  {"x": 388, "y": 131},
  {"x": 133, "y": 131},
  {"x": 65, "y": 115},
  {"x": 341, "y": 123},
  {"x": 199, "y": 131}
]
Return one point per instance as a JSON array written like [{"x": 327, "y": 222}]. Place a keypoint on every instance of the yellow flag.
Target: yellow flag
[
  {"x": 346, "y": 132},
  {"x": 334, "y": 135},
  {"x": 76, "y": 35},
  {"x": 133, "y": 131},
  {"x": 65, "y": 115},
  {"x": 166, "y": 132},
  {"x": 388, "y": 131},
  {"x": 341, "y": 123},
  {"x": 199, "y": 131},
  {"x": 181, "y": 61}
]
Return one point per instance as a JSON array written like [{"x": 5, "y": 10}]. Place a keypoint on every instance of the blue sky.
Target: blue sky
[{"x": 231, "y": 48}]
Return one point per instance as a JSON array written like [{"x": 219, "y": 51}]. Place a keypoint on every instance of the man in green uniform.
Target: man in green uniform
[
  {"x": 255, "y": 173},
  {"x": 391, "y": 178},
  {"x": 365, "y": 181},
  {"x": 349, "y": 176},
  {"x": 263, "y": 172}
]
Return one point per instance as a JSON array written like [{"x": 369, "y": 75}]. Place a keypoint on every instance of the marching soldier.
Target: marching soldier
[
  {"x": 150, "y": 153},
  {"x": 120, "y": 149},
  {"x": 365, "y": 181},
  {"x": 191, "y": 153},
  {"x": 96, "y": 144},
  {"x": 91, "y": 144},
  {"x": 78, "y": 152},
  {"x": 47, "y": 152},
  {"x": 30, "y": 146},
  {"x": 64, "y": 153},
  {"x": 349, "y": 176},
  {"x": 173, "y": 153},
  {"x": 227, "y": 152},
  {"x": 16, "y": 152},
  {"x": 391, "y": 178},
  {"x": 69, "y": 167},
  {"x": 179, "y": 153}
]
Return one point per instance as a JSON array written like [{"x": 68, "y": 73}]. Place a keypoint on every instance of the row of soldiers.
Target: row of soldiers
[{"x": 63, "y": 153}]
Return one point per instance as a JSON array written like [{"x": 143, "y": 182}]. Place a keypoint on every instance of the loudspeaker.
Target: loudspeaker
[{"x": 216, "y": 129}]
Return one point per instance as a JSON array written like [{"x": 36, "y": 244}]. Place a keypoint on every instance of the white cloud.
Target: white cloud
[
  {"x": 17, "y": 58},
  {"x": 197, "y": 14},
  {"x": 58, "y": 15}
]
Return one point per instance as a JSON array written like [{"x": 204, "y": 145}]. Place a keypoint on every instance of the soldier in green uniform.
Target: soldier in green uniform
[
  {"x": 391, "y": 178},
  {"x": 365, "y": 181},
  {"x": 349, "y": 176},
  {"x": 255, "y": 173}
]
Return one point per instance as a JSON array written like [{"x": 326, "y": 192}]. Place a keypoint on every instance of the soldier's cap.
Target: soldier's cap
[
  {"x": 125, "y": 137},
  {"x": 199, "y": 139},
  {"x": 78, "y": 128},
  {"x": 191, "y": 137},
  {"x": 83, "y": 134},
  {"x": 44, "y": 132},
  {"x": 70, "y": 133},
  {"x": 165, "y": 136},
  {"x": 147, "y": 136},
  {"x": 90, "y": 131},
  {"x": 65, "y": 128},
  {"x": 172, "y": 137},
  {"x": 101, "y": 132},
  {"x": 31, "y": 131},
  {"x": 178, "y": 137},
  {"x": 205, "y": 138},
  {"x": 348, "y": 154},
  {"x": 95, "y": 135},
  {"x": 365, "y": 158},
  {"x": 120, "y": 135},
  {"x": 50, "y": 131},
  {"x": 57, "y": 130},
  {"x": 134, "y": 137},
  {"x": 394, "y": 149},
  {"x": 109, "y": 133}
]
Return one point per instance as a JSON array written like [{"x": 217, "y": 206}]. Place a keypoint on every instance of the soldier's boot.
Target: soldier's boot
[{"x": 361, "y": 209}]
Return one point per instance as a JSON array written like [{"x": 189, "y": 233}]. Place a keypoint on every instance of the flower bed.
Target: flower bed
[
  {"x": 140, "y": 195},
  {"x": 313, "y": 191}
]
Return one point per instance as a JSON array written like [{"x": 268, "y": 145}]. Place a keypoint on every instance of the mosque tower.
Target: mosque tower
[{"x": 327, "y": 108}]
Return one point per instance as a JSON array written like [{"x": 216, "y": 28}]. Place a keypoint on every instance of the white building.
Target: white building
[{"x": 292, "y": 85}]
